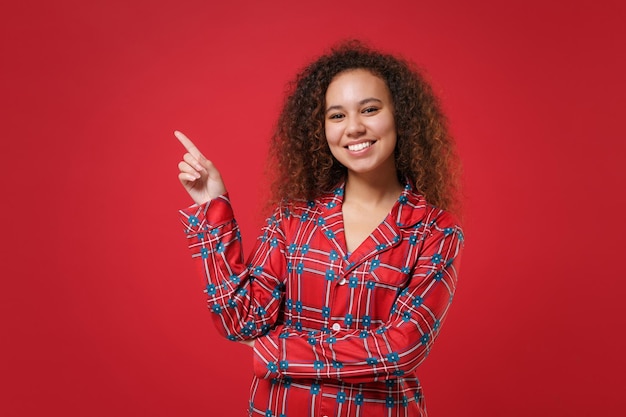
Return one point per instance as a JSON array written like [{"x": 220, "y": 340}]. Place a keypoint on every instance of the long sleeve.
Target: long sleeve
[
  {"x": 244, "y": 298},
  {"x": 390, "y": 350}
]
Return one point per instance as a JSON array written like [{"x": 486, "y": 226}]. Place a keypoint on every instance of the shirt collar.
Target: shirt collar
[{"x": 409, "y": 209}]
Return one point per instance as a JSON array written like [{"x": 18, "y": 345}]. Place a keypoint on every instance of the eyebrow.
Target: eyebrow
[{"x": 362, "y": 102}]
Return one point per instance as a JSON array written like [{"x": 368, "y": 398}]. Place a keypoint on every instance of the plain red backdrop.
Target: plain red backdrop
[{"x": 102, "y": 313}]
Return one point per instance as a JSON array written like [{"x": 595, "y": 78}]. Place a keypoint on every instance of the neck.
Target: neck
[{"x": 372, "y": 189}]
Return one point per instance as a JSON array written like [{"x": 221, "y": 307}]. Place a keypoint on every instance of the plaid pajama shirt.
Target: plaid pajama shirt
[{"x": 337, "y": 334}]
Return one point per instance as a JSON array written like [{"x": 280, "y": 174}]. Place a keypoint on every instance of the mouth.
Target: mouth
[{"x": 360, "y": 146}]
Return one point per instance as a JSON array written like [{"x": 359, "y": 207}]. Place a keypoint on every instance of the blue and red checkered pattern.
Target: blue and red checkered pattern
[{"x": 337, "y": 333}]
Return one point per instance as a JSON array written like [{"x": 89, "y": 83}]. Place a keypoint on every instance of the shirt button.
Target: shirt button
[
  {"x": 342, "y": 281},
  {"x": 336, "y": 327}
]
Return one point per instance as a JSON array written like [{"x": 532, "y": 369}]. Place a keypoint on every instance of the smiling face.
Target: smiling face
[{"x": 359, "y": 123}]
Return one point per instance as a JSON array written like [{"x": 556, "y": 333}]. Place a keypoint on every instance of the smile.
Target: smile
[{"x": 359, "y": 146}]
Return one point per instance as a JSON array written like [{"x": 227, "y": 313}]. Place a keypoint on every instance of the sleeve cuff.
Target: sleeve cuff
[
  {"x": 209, "y": 215},
  {"x": 266, "y": 359}
]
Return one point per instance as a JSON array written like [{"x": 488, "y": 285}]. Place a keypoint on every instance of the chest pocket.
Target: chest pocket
[
  {"x": 382, "y": 271},
  {"x": 392, "y": 266}
]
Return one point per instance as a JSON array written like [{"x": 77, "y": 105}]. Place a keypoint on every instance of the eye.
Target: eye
[
  {"x": 336, "y": 116},
  {"x": 370, "y": 109}
]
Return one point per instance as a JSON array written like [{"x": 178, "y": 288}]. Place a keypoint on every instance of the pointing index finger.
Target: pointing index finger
[{"x": 188, "y": 144}]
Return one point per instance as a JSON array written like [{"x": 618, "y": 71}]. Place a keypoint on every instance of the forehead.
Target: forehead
[{"x": 357, "y": 84}]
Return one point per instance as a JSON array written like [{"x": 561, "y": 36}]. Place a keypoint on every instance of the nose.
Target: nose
[{"x": 355, "y": 127}]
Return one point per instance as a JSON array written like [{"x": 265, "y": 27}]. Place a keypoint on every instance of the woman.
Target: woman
[{"x": 356, "y": 268}]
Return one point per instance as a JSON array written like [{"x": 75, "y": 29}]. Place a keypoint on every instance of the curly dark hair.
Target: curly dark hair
[{"x": 302, "y": 164}]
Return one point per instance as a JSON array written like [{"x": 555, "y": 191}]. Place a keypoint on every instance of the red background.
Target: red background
[{"x": 102, "y": 313}]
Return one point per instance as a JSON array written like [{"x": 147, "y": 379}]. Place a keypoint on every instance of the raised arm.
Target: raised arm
[{"x": 245, "y": 301}]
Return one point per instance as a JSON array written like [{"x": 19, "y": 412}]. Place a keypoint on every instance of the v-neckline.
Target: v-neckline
[
  {"x": 385, "y": 235},
  {"x": 366, "y": 236},
  {"x": 374, "y": 241}
]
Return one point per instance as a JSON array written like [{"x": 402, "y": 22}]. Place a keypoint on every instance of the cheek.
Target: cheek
[
  {"x": 384, "y": 126},
  {"x": 333, "y": 134}
]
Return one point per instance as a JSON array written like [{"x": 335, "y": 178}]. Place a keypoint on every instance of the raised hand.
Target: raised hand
[{"x": 197, "y": 174}]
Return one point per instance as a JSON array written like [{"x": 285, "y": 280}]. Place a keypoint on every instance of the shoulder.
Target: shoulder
[
  {"x": 294, "y": 210},
  {"x": 414, "y": 211},
  {"x": 425, "y": 218},
  {"x": 440, "y": 218},
  {"x": 442, "y": 225},
  {"x": 308, "y": 208}
]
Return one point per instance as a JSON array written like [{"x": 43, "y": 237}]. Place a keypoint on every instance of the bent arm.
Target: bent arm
[
  {"x": 392, "y": 350},
  {"x": 245, "y": 300}
]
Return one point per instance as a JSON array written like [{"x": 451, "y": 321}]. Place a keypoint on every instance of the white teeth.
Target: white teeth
[{"x": 360, "y": 146}]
